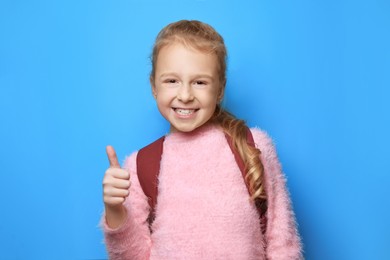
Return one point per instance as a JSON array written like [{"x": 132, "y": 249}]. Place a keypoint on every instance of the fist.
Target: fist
[{"x": 116, "y": 181}]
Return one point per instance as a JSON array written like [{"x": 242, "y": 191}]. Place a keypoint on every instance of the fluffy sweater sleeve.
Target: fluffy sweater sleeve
[
  {"x": 132, "y": 239},
  {"x": 282, "y": 238}
]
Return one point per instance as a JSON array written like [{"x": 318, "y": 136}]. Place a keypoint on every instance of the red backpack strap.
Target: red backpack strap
[{"x": 148, "y": 168}]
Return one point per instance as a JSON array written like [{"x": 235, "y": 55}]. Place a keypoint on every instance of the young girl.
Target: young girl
[{"x": 204, "y": 209}]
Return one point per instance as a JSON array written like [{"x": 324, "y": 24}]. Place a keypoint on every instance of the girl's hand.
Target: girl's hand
[{"x": 116, "y": 184}]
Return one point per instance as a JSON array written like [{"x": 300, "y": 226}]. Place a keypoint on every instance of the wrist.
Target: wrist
[{"x": 115, "y": 215}]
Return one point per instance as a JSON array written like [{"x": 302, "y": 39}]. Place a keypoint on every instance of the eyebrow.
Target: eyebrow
[{"x": 194, "y": 76}]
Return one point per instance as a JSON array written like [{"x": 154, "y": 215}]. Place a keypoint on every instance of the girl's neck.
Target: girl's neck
[
  {"x": 206, "y": 125},
  {"x": 196, "y": 132}
]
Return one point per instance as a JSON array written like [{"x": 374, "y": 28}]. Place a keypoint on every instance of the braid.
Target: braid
[{"x": 236, "y": 129}]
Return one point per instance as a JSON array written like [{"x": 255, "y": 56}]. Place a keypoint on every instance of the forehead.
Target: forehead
[{"x": 178, "y": 57}]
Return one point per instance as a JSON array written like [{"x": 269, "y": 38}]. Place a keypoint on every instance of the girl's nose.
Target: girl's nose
[{"x": 184, "y": 93}]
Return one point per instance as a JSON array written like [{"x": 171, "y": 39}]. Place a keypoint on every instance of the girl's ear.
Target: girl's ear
[
  {"x": 221, "y": 94},
  {"x": 153, "y": 86}
]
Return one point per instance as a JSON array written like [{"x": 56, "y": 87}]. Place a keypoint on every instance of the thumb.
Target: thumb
[{"x": 112, "y": 158}]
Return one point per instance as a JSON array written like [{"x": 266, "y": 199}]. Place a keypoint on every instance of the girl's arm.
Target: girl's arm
[
  {"x": 131, "y": 240},
  {"x": 281, "y": 237}
]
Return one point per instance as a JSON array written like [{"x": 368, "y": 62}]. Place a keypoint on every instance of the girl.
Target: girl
[{"x": 204, "y": 210}]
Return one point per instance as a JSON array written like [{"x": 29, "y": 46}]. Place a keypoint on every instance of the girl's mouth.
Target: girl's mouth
[{"x": 185, "y": 112}]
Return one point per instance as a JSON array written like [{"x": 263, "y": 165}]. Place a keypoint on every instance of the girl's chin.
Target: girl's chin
[
  {"x": 183, "y": 128},
  {"x": 175, "y": 129}
]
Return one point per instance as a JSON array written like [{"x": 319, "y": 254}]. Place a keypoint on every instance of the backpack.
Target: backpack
[{"x": 148, "y": 168}]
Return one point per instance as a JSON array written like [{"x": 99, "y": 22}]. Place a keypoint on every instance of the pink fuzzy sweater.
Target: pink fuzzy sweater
[{"x": 203, "y": 209}]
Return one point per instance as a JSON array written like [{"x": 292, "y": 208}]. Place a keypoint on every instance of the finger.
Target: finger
[
  {"x": 114, "y": 201},
  {"x": 118, "y": 173},
  {"x": 112, "y": 158},
  {"x": 121, "y": 184},
  {"x": 110, "y": 181},
  {"x": 113, "y": 192}
]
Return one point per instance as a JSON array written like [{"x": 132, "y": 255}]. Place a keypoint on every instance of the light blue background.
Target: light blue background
[{"x": 74, "y": 77}]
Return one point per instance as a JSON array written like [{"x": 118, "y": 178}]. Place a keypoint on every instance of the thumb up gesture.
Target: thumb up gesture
[{"x": 116, "y": 182}]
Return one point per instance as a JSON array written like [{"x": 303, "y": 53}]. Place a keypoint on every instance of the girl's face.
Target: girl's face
[{"x": 186, "y": 86}]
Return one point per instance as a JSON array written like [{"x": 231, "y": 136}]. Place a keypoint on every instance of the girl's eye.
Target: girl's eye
[
  {"x": 170, "y": 81},
  {"x": 199, "y": 82}
]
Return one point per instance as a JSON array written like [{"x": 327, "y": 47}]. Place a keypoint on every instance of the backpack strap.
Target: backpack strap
[{"x": 148, "y": 169}]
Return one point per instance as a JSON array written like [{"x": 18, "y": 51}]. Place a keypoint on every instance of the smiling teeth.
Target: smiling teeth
[{"x": 185, "y": 112}]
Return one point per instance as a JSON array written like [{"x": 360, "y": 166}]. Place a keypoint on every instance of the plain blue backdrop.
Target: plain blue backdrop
[{"x": 74, "y": 77}]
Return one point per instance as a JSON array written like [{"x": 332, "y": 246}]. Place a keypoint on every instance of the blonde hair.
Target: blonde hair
[{"x": 203, "y": 37}]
